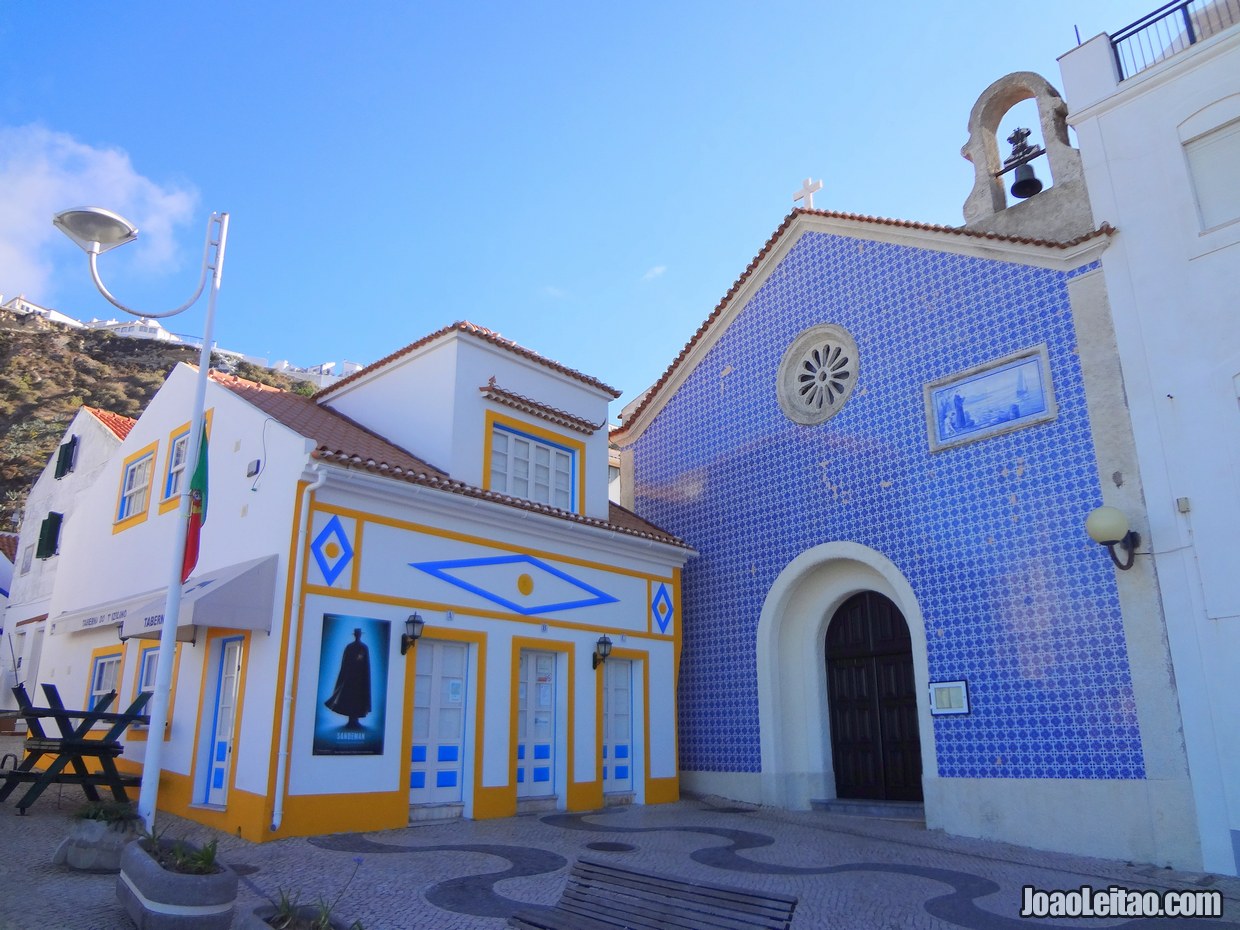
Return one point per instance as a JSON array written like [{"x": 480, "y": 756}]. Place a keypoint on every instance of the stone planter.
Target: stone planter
[
  {"x": 157, "y": 899},
  {"x": 257, "y": 919},
  {"x": 95, "y": 846}
]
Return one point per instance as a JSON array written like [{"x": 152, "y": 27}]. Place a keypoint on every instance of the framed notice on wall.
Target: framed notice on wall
[
  {"x": 949, "y": 697},
  {"x": 352, "y": 688}
]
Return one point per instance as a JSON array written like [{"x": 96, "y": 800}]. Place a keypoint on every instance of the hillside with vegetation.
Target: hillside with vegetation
[{"x": 48, "y": 372}]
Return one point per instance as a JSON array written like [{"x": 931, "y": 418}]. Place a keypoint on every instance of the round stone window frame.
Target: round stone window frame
[{"x": 809, "y": 408}]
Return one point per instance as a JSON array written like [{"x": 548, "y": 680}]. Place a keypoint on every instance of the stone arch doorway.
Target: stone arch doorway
[
  {"x": 794, "y": 720},
  {"x": 872, "y": 701}
]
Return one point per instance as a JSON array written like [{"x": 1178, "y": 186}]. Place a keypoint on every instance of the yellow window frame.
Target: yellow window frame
[
  {"x": 575, "y": 447},
  {"x": 113, "y": 651},
  {"x": 140, "y": 732},
  {"x": 168, "y": 502},
  {"x": 120, "y": 524}
]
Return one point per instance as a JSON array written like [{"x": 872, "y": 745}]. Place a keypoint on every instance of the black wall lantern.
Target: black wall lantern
[
  {"x": 602, "y": 650},
  {"x": 413, "y": 632}
]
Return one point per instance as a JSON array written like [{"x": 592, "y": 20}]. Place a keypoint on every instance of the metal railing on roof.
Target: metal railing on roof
[{"x": 1168, "y": 30}]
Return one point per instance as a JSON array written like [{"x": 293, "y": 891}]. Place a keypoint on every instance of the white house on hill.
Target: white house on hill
[{"x": 87, "y": 447}]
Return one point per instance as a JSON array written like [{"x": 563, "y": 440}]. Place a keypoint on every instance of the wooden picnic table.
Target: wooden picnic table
[{"x": 72, "y": 749}]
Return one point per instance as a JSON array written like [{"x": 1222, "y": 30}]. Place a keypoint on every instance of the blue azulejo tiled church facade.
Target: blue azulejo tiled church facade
[{"x": 949, "y": 470}]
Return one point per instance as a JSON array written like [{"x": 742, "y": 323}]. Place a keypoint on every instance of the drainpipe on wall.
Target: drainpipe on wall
[{"x": 290, "y": 659}]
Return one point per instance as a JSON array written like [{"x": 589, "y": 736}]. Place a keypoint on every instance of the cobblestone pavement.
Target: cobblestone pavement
[{"x": 848, "y": 872}]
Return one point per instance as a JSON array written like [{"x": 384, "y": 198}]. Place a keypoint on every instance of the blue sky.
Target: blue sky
[{"x": 588, "y": 179}]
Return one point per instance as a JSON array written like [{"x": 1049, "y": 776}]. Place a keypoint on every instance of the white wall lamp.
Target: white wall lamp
[
  {"x": 413, "y": 632},
  {"x": 602, "y": 650},
  {"x": 1109, "y": 526}
]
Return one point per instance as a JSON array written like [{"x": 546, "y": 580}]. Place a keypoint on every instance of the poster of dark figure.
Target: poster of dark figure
[{"x": 352, "y": 692}]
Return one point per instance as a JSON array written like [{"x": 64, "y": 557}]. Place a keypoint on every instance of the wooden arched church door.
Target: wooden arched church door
[{"x": 875, "y": 745}]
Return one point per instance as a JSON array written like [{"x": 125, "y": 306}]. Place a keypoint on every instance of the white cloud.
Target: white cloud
[
  {"x": 654, "y": 272},
  {"x": 42, "y": 172}
]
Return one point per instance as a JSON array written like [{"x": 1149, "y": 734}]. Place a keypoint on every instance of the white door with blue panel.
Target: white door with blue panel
[
  {"x": 228, "y": 678},
  {"x": 536, "y": 725},
  {"x": 437, "y": 762},
  {"x": 617, "y": 726}
]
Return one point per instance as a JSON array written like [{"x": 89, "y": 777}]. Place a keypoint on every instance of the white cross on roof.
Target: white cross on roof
[{"x": 806, "y": 193}]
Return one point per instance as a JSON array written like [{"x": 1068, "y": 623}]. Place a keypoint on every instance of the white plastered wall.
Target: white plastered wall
[{"x": 1172, "y": 285}]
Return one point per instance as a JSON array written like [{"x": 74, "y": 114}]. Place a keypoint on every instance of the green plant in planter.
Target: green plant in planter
[
  {"x": 165, "y": 884},
  {"x": 98, "y": 837},
  {"x": 120, "y": 815},
  {"x": 288, "y": 914},
  {"x": 179, "y": 856}
]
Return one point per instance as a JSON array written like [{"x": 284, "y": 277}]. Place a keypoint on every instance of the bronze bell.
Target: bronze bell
[{"x": 1026, "y": 183}]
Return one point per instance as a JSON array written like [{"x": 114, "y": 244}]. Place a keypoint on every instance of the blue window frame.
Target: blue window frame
[
  {"x": 176, "y": 465},
  {"x": 533, "y": 468},
  {"x": 104, "y": 676},
  {"x": 134, "y": 490}
]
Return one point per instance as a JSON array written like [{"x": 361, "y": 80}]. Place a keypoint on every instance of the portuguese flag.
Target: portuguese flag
[{"x": 197, "y": 509}]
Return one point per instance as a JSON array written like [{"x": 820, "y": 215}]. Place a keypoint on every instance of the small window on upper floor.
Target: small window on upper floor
[
  {"x": 66, "y": 457},
  {"x": 135, "y": 491},
  {"x": 533, "y": 468},
  {"x": 176, "y": 466},
  {"x": 27, "y": 558},
  {"x": 49, "y": 535},
  {"x": 1212, "y": 161}
]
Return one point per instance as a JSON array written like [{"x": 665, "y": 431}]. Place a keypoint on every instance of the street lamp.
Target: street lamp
[{"x": 96, "y": 231}]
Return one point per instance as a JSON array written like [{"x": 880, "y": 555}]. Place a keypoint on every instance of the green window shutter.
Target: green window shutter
[
  {"x": 65, "y": 457},
  {"x": 49, "y": 535}
]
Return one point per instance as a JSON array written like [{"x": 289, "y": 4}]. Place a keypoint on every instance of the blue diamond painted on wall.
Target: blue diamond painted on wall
[
  {"x": 661, "y": 607},
  {"x": 331, "y": 550},
  {"x": 521, "y": 583}
]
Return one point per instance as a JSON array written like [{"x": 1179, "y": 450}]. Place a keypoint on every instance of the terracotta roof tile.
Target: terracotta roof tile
[
  {"x": 619, "y": 516},
  {"x": 1104, "y": 230},
  {"x": 341, "y": 441},
  {"x": 481, "y": 332},
  {"x": 8, "y": 545},
  {"x": 119, "y": 425},
  {"x": 493, "y": 391}
]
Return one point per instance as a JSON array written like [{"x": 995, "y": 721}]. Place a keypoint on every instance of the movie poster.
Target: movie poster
[{"x": 352, "y": 694}]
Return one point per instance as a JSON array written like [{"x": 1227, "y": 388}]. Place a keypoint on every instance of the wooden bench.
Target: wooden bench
[{"x": 600, "y": 895}]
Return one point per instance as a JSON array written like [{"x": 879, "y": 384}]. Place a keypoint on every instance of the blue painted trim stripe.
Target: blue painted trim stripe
[{"x": 441, "y": 571}]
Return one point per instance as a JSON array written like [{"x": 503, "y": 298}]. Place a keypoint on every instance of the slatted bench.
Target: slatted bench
[{"x": 600, "y": 895}]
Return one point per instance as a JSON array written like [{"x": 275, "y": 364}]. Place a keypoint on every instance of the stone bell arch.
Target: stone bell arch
[{"x": 1061, "y": 212}]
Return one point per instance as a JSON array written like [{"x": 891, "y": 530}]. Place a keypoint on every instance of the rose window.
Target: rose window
[{"x": 817, "y": 374}]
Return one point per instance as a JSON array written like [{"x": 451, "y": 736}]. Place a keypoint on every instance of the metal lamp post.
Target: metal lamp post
[{"x": 96, "y": 231}]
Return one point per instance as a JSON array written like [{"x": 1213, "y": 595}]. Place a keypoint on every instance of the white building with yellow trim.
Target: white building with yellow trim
[{"x": 299, "y": 703}]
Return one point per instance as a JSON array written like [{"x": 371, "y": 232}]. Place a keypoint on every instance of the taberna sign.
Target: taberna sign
[
  {"x": 148, "y": 621},
  {"x": 111, "y": 614}
]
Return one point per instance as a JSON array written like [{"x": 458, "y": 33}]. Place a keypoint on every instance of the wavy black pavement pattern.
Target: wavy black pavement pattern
[
  {"x": 476, "y": 895},
  {"x": 467, "y": 894}
]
